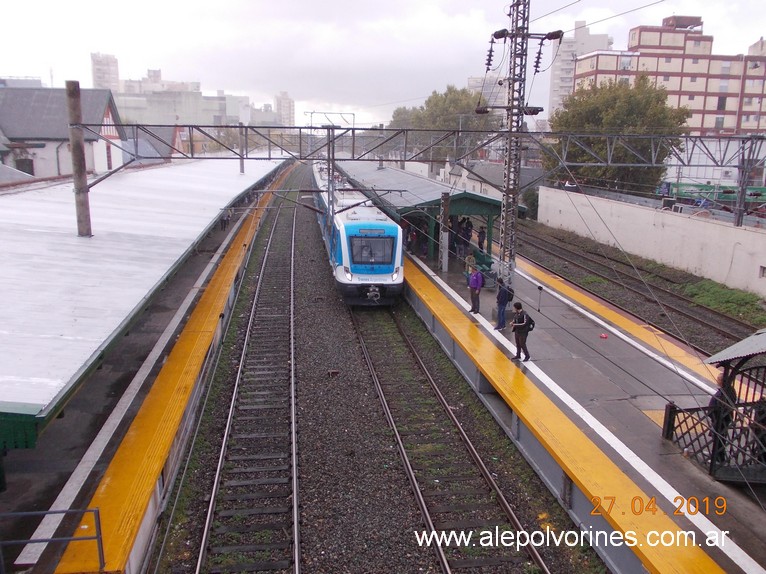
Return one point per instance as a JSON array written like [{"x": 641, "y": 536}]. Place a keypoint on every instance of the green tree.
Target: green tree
[
  {"x": 451, "y": 110},
  {"x": 617, "y": 108}
]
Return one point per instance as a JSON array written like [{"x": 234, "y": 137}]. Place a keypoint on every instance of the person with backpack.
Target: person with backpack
[
  {"x": 504, "y": 296},
  {"x": 475, "y": 283},
  {"x": 522, "y": 325}
]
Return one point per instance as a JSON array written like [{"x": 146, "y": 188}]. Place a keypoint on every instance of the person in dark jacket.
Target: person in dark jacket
[
  {"x": 504, "y": 296},
  {"x": 721, "y": 413},
  {"x": 520, "y": 330}
]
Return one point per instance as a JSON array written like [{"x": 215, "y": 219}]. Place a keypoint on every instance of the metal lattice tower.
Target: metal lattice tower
[{"x": 517, "y": 76}]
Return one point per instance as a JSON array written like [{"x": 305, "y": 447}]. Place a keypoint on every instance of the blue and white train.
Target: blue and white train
[{"x": 363, "y": 244}]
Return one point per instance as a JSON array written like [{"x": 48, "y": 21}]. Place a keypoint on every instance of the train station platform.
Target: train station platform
[
  {"x": 73, "y": 338},
  {"x": 597, "y": 382},
  {"x": 67, "y": 297},
  {"x": 610, "y": 376}
]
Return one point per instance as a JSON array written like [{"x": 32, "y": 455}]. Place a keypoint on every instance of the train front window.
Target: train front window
[{"x": 372, "y": 250}]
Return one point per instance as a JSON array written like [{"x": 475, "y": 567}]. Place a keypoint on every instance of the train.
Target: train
[{"x": 364, "y": 245}]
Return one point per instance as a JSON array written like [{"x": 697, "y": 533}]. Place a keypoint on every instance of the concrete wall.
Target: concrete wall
[{"x": 733, "y": 256}]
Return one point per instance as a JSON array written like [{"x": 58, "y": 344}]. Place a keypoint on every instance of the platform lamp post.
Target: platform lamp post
[{"x": 77, "y": 145}]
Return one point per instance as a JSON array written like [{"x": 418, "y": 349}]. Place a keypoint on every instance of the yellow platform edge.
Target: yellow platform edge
[
  {"x": 125, "y": 490},
  {"x": 583, "y": 461}
]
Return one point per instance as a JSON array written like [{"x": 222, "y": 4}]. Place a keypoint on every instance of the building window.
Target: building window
[
  {"x": 25, "y": 164},
  {"x": 748, "y": 101},
  {"x": 691, "y": 97},
  {"x": 762, "y": 272},
  {"x": 693, "y": 79},
  {"x": 721, "y": 103},
  {"x": 697, "y": 43},
  {"x": 623, "y": 81},
  {"x": 723, "y": 86},
  {"x": 665, "y": 78},
  {"x": 695, "y": 60},
  {"x": 719, "y": 122},
  {"x": 668, "y": 60}
]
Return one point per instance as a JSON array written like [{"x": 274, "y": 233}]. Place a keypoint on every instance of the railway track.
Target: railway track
[
  {"x": 252, "y": 522},
  {"x": 706, "y": 329},
  {"x": 455, "y": 491}
]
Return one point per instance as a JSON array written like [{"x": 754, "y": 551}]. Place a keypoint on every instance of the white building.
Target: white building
[
  {"x": 284, "y": 105},
  {"x": 106, "y": 72},
  {"x": 492, "y": 89},
  {"x": 564, "y": 56}
]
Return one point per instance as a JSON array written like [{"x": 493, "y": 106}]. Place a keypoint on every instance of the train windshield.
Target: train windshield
[{"x": 372, "y": 250}]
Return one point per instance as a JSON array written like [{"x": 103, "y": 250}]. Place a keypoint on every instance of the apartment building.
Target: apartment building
[
  {"x": 492, "y": 88},
  {"x": 284, "y": 106},
  {"x": 106, "y": 72},
  {"x": 725, "y": 93},
  {"x": 564, "y": 57}
]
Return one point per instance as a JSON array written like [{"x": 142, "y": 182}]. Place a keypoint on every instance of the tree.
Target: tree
[
  {"x": 452, "y": 110},
  {"x": 617, "y": 108}
]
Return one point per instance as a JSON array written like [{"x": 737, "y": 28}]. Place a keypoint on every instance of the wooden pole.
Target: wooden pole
[{"x": 79, "y": 173}]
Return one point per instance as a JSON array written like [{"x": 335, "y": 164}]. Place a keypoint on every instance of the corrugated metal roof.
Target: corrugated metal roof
[
  {"x": 412, "y": 190},
  {"x": 41, "y": 113},
  {"x": 415, "y": 189},
  {"x": 11, "y": 175},
  {"x": 755, "y": 344}
]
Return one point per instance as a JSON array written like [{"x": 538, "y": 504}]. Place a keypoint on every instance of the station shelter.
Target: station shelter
[
  {"x": 727, "y": 436},
  {"x": 417, "y": 202}
]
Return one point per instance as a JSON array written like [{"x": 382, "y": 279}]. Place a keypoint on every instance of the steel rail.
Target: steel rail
[
  {"x": 723, "y": 316},
  {"x": 293, "y": 411},
  {"x": 409, "y": 470},
  {"x": 502, "y": 501},
  {"x": 643, "y": 293},
  {"x": 232, "y": 405}
]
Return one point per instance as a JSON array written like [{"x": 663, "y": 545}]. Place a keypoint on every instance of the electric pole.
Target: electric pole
[{"x": 518, "y": 36}]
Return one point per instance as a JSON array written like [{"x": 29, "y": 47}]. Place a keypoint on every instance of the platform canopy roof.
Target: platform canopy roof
[
  {"x": 753, "y": 345},
  {"x": 406, "y": 192}
]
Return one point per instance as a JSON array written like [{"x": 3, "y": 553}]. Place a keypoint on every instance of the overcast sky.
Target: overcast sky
[{"x": 361, "y": 57}]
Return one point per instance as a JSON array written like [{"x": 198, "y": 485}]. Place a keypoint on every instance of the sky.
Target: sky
[{"x": 357, "y": 59}]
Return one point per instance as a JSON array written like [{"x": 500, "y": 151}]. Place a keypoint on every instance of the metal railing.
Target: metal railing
[
  {"x": 736, "y": 453},
  {"x": 97, "y": 536}
]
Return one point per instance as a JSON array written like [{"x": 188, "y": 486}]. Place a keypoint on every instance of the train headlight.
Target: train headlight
[
  {"x": 395, "y": 274},
  {"x": 347, "y": 271}
]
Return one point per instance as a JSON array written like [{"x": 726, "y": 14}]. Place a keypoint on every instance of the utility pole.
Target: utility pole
[
  {"x": 518, "y": 36},
  {"x": 515, "y": 102},
  {"x": 749, "y": 154},
  {"x": 79, "y": 173}
]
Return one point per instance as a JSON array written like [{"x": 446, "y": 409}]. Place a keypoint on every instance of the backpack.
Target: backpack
[{"x": 530, "y": 324}]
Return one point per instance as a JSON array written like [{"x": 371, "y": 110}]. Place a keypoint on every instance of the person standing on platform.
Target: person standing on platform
[
  {"x": 470, "y": 265},
  {"x": 521, "y": 322},
  {"x": 721, "y": 414},
  {"x": 481, "y": 236},
  {"x": 475, "y": 283},
  {"x": 504, "y": 296}
]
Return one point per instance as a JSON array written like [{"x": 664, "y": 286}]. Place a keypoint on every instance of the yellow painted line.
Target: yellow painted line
[
  {"x": 590, "y": 469},
  {"x": 652, "y": 337},
  {"x": 657, "y": 416},
  {"x": 128, "y": 484}
]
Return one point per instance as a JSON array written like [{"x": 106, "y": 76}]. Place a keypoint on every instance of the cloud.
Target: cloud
[{"x": 361, "y": 56}]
